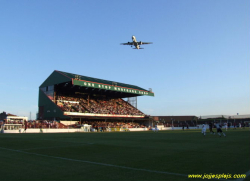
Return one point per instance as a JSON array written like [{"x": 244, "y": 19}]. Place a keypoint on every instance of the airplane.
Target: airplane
[{"x": 136, "y": 43}]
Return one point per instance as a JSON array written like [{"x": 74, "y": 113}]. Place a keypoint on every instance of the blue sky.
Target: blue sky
[{"x": 198, "y": 63}]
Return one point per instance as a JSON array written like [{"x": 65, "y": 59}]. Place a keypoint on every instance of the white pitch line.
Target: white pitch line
[
  {"x": 56, "y": 146},
  {"x": 96, "y": 163}
]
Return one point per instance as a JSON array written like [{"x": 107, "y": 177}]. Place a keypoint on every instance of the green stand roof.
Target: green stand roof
[{"x": 58, "y": 77}]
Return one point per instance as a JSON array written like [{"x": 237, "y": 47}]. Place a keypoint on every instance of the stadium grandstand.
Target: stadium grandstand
[
  {"x": 67, "y": 96},
  {"x": 193, "y": 121},
  {"x": 176, "y": 121}
]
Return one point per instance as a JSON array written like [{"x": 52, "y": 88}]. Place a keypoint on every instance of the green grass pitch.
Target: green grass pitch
[{"x": 123, "y": 156}]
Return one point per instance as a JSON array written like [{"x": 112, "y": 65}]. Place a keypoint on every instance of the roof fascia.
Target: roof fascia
[{"x": 55, "y": 77}]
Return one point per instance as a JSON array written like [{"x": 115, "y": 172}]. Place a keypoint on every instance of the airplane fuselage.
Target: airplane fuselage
[
  {"x": 134, "y": 39},
  {"x": 136, "y": 44}
]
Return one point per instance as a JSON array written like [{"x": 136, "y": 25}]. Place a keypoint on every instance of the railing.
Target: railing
[{"x": 12, "y": 126}]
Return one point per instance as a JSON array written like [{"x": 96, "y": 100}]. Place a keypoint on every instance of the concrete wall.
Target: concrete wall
[{"x": 43, "y": 131}]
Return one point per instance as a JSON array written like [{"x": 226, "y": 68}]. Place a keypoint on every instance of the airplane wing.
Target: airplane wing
[
  {"x": 145, "y": 43},
  {"x": 129, "y": 43}
]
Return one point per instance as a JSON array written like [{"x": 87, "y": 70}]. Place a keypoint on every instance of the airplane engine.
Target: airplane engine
[{"x": 140, "y": 43}]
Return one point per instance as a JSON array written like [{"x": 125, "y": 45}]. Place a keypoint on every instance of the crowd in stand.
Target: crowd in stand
[
  {"x": 94, "y": 124},
  {"x": 180, "y": 124},
  {"x": 97, "y": 105},
  {"x": 44, "y": 124},
  {"x": 187, "y": 124},
  {"x": 104, "y": 124}
]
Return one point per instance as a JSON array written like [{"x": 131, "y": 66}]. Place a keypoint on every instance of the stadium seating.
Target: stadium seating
[{"x": 96, "y": 105}]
